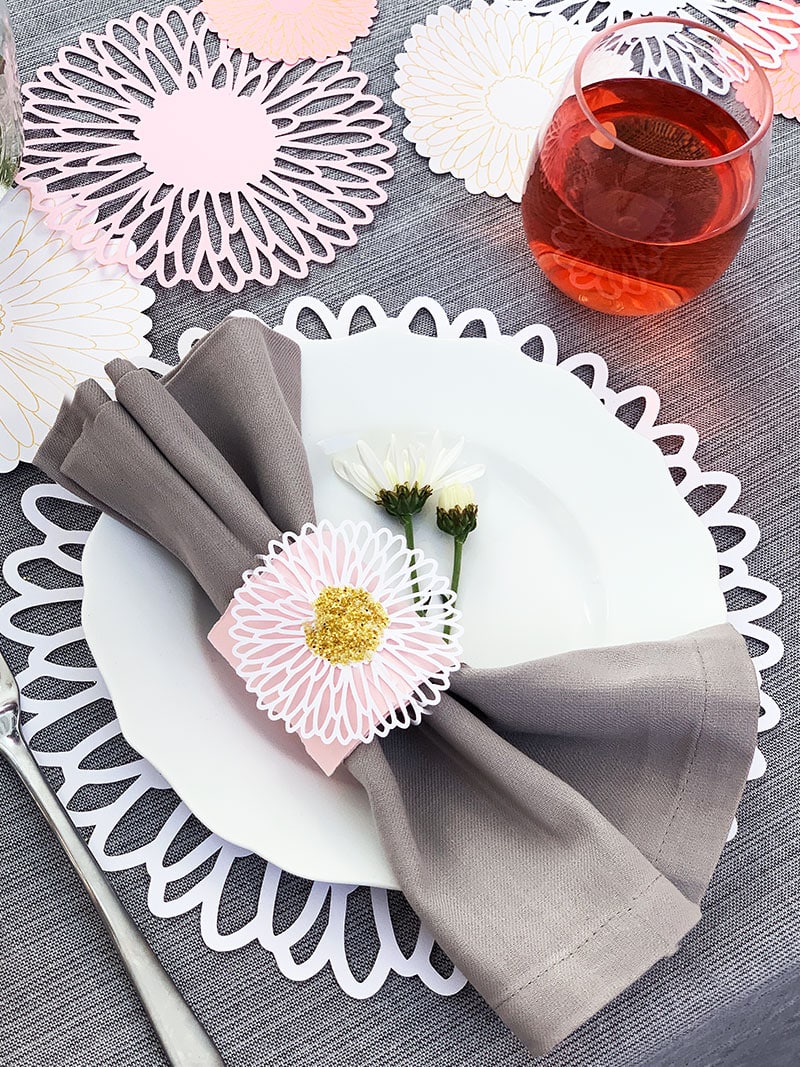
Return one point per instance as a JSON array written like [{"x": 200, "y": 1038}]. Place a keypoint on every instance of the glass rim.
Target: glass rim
[{"x": 751, "y": 142}]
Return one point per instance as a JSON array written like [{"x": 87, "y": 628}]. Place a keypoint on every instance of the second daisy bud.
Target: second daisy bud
[
  {"x": 457, "y": 511},
  {"x": 456, "y": 516}
]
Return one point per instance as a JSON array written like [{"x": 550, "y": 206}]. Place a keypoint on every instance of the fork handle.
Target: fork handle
[{"x": 183, "y": 1039}]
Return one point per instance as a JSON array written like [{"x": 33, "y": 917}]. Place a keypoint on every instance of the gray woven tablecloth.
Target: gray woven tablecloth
[{"x": 729, "y": 364}]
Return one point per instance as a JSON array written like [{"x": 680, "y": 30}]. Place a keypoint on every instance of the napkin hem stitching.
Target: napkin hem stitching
[
  {"x": 634, "y": 901},
  {"x": 692, "y": 761},
  {"x": 660, "y": 876}
]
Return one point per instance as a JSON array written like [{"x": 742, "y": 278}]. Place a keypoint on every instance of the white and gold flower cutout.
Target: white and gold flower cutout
[
  {"x": 477, "y": 84},
  {"x": 62, "y": 318}
]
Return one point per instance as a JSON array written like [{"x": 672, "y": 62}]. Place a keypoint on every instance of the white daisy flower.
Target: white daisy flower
[
  {"x": 409, "y": 473},
  {"x": 455, "y": 496},
  {"x": 457, "y": 516}
]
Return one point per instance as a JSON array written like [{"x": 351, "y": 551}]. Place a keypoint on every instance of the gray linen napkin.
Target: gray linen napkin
[
  {"x": 212, "y": 466},
  {"x": 555, "y": 823},
  {"x": 557, "y": 863}
]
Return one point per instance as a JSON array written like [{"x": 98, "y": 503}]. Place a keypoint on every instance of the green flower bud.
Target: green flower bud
[
  {"x": 404, "y": 500},
  {"x": 457, "y": 512}
]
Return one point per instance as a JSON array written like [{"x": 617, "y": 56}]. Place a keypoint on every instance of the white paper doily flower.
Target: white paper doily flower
[
  {"x": 56, "y": 693},
  {"x": 476, "y": 85},
  {"x": 284, "y": 645},
  {"x": 62, "y": 317}
]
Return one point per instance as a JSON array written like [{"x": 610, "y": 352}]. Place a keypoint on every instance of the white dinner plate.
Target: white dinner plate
[{"x": 583, "y": 541}]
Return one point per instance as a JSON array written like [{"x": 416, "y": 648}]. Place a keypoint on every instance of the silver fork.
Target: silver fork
[{"x": 183, "y": 1039}]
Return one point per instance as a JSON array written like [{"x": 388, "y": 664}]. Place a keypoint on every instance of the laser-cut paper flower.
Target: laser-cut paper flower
[
  {"x": 291, "y": 30},
  {"x": 62, "y": 318},
  {"x": 326, "y": 634},
  {"x": 201, "y": 163},
  {"x": 477, "y": 84},
  {"x": 785, "y": 79},
  {"x": 768, "y": 29}
]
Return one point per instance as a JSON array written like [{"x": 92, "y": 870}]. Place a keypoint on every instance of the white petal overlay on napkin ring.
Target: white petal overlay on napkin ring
[{"x": 343, "y": 634}]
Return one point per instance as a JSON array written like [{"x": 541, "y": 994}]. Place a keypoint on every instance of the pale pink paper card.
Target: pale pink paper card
[
  {"x": 158, "y": 146},
  {"x": 291, "y": 30},
  {"x": 326, "y": 756},
  {"x": 335, "y": 706}
]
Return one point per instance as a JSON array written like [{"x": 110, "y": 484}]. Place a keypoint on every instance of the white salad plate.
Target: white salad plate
[{"x": 583, "y": 541}]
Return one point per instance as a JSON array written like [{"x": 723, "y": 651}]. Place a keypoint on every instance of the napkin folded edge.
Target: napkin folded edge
[{"x": 570, "y": 990}]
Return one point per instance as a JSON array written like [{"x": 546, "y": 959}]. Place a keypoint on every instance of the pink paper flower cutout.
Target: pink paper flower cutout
[
  {"x": 785, "y": 77},
  {"x": 327, "y": 633},
  {"x": 200, "y": 163},
  {"x": 291, "y": 30}
]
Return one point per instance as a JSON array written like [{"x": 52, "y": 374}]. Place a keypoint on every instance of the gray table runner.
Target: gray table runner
[{"x": 729, "y": 364}]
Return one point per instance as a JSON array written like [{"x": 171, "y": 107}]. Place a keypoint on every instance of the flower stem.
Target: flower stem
[
  {"x": 408, "y": 526},
  {"x": 458, "y": 548}
]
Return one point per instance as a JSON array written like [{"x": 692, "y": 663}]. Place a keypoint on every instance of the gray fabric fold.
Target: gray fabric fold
[
  {"x": 209, "y": 462},
  {"x": 555, "y": 823},
  {"x": 634, "y": 727}
]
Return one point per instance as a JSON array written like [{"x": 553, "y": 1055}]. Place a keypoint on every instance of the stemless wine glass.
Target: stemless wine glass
[
  {"x": 10, "y": 109},
  {"x": 644, "y": 181}
]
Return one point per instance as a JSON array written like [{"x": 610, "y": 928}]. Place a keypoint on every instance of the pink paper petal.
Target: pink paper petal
[
  {"x": 291, "y": 30},
  {"x": 783, "y": 78},
  {"x": 262, "y": 635}
]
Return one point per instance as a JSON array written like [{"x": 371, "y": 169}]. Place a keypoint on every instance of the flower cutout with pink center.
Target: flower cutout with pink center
[
  {"x": 784, "y": 78},
  {"x": 157, "y": 145},
  {"x": 342, "y": 633},
  {"x": 291, "y": 30}
]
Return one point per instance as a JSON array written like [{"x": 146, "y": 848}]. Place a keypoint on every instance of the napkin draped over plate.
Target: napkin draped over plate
[{"x": 555, "y": 823}]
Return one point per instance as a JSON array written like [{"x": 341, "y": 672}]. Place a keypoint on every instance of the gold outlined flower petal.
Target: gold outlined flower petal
[
  {"x": 450, "y": 83},
  {"x": 62, "y": 318}
]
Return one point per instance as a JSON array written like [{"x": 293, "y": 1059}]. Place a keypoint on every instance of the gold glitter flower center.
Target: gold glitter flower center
[{"x": 348, "y": 625}]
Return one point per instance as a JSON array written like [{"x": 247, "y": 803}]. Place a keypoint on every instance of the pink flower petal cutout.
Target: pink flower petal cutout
[
  {"x": 156, "y": 145},
  {"x": 291, "y": 30},
  {"x": 785, "y": 77},
  {"x": 334, "y": 706}
]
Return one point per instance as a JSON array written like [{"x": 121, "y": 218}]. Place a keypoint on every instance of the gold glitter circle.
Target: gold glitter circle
[{"x": 348, "y": 625}]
